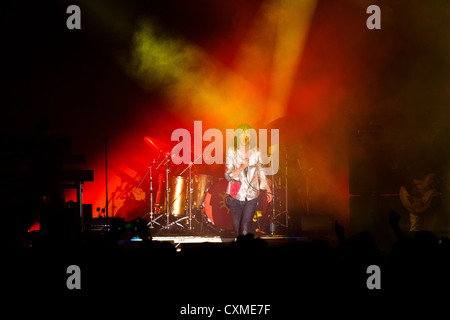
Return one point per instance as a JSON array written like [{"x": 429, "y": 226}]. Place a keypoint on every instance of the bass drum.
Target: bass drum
[{"x": 216, "y": 207}]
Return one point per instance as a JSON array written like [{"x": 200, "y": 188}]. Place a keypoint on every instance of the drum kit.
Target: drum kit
[{"x": 188, "y": 200}]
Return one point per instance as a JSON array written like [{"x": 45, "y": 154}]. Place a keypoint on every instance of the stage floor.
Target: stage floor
[{"x": 272, "y": 240}]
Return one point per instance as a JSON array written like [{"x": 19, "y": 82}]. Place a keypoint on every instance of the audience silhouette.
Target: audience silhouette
[{"x": 248, "y": 268}]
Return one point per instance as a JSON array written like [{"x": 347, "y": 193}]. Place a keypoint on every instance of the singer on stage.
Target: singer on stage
[{"x": 245, "y": 178}]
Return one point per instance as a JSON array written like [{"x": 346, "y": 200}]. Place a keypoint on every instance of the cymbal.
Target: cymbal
[
  {"x": 156, "y": 144},
  {"x": 161, "y": 146}
]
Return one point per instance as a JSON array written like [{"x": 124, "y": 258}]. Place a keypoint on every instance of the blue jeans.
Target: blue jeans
[{"x": 242, "y": 213}]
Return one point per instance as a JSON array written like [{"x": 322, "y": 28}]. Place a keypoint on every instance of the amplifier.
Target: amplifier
[{"x": 105, "y": 225}]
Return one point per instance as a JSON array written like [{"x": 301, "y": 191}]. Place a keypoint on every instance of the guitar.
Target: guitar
[{"x": 421, "y": 197}]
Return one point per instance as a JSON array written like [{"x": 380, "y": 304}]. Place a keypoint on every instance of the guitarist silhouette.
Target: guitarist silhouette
[
  {"x": 419, "y": 200},
  {"x": 426, "y": 159}
]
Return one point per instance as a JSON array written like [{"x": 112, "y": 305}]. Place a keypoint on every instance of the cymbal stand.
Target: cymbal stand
[
  {"x": 190, "y": 194},
  {"x": 168, "y": 225},
  {"x": 276, "y": 214},
  {"x": 287, "y": 191},
  {"x": 189, "y": 167},
  {"x": 191, "y": 190},
  {"x": 149, "y": 171},
  {"x": 307, "y": 191},
  {"x": 272, "y": 220},
  {"x": 190, "y": 197}
]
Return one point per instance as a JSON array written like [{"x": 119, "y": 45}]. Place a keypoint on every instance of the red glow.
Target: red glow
[
  {"x": 316, "y": 104},
  {"x": 35, "y": 227}
]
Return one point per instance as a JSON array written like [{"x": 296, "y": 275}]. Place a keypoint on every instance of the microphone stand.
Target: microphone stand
[{"x": 106, "y": 175}]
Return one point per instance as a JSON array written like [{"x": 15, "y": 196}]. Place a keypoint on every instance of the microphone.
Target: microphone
[
  {"x": 246, "y": 168},
  {"x": 252, "y": 166}
]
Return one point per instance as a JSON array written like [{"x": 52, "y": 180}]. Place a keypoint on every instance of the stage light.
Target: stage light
[
  {"x": 199, "y": 85},
  {"x": 274, "y": 48},
  {"x": 196, "y": 83},
  {"x": 262, "y": 83}
]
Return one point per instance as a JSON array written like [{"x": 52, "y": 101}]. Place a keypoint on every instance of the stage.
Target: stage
[
  {"x": 260, "y": 150},
  {"x": 217, "y": 239}
]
